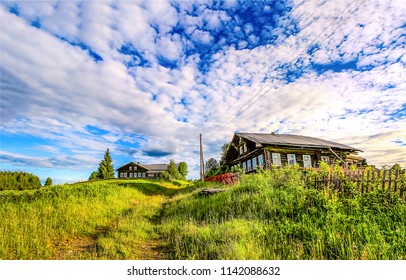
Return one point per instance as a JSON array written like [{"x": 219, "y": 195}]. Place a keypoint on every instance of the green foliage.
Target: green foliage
[
  {"x": 173, "y": 171},
  {"x": 106, "y": 169},
  {"x": 183, "y": 169},
  {"x": 93, "y": 220},
  {"x": 18, "y": 181},
  {"x": 396, "y": 166},
  {"x": 48, "y": 182},
  {"x": 211, "y": 167},
  {"x": 94, "y": 176},
  {"x": 276, "y": 215}
]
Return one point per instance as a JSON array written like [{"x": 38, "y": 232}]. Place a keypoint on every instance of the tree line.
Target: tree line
[{"x": 13, "y": 180}]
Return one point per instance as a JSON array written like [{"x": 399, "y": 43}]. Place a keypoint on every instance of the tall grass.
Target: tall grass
[
  {"x": 272, "y": 215},
  {"x": 97, "y": 220}
]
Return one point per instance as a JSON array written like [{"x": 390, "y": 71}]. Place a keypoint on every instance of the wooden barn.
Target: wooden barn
[
  {"x": 137, "y": 170},
  {"x": 250, "y": 150}
]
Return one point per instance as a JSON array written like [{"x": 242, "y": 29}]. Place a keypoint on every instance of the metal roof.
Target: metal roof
[{"x": 293, "y": 141}]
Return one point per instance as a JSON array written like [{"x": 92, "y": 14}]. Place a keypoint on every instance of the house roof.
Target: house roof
[
  {"x": 150, "y": 167},
  {"x": 156, "y": 167},
  {"x": 292, "y": 140}
]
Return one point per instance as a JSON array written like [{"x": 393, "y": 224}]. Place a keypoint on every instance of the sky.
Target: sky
[{"x": 144, "y": 78}]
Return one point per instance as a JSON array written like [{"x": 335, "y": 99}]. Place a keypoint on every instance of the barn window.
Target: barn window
[
  {"x": 276, "y": 159},
  {"x": 307, "y": 161},
  {"x": 291, "y": 159}
]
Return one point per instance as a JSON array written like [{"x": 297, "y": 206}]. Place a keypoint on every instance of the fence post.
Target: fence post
[
  {"x": 383, "y": 179},
  {"x": 367, "y": 181},
  {"x": 390, "y": 179},
  {"x": 396, "y": 180}
]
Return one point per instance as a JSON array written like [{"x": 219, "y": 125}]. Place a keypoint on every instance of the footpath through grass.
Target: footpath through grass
[
  {"x": 96, "y": 220},
  {"x": 271, "y": 215}
]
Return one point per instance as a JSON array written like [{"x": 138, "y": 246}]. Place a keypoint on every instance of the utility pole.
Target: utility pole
[{"x": 201, "y": 160}]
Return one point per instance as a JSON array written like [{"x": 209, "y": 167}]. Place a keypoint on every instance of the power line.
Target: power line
[
  {"x": 267, "y": 84},
  {"x": 251, "y": 102}
]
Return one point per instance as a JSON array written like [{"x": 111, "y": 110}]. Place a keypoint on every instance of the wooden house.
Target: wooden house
[
  {"x": 137, "y": 170},
  {"x": 250, "y": 150}
]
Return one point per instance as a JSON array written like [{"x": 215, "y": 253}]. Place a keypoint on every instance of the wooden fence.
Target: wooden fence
[{"x": 363, "y": 180}]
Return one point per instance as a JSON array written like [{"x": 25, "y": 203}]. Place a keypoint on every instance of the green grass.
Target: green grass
[
  {"x": 271, "y": 215},
  {"x": 95, "y": 220}
]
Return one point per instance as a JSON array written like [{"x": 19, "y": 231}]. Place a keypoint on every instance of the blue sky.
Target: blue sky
[{"x": 144, "y": 78}]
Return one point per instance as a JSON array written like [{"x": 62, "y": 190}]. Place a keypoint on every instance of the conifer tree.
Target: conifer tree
[
  {"x": 48, "y": 182},
  {"x": 106, "y": 169}
]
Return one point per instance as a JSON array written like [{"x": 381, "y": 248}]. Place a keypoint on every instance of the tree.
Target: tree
[
  {"x": 48, "y": 182},
  {"x": 173, "y": 170},
  {"x": 183, "y": 170},
  {"x": 94, "y": 176},
  {"x": 396, "y": 166},
  {"x": 106, "y": 169},
  {"x": 212, "y": 164},
  {"x": 211, "y": 167}
]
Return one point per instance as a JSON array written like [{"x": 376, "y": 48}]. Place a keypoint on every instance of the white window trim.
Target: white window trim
[
  {"x": 307, "y": 161},
  {"x": 293, "y": 157},
  {"x": 276, "y": 159},
  {"x": 325, "y": 159}
]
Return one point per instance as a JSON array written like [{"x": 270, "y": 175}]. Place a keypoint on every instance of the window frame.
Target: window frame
[
  {"x": 277, "y": 156},
  {"x": 293, "y": 156},
  {"x": 309, "y": 161}
]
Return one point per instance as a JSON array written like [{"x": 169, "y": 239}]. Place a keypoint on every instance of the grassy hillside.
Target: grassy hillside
[
  {"x": 96, "y": 220},
  {"x": 271, "y": 215}
]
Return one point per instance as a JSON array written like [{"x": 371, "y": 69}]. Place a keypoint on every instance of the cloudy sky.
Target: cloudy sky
[{"x": 144, "y": 78}]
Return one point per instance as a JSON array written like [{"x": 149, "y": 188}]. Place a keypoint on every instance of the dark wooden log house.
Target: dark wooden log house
[
  {"x": 137, "y": 170},
  {"x": 251, "y": 150}
]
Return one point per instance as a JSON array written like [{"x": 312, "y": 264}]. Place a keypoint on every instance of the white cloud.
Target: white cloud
[{"x": 55, "y": 90}]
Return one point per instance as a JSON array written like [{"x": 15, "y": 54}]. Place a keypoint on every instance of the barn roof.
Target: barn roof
[{"x": 293, "y": 141}]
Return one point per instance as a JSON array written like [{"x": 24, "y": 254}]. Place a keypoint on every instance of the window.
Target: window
[
  {"x": 245, "y": 148},
  {"x": 325, "y": 159},
  {"x": 241, "y": 150},
  {"x": 261, "y": 160},
  {"x": 135, "y": 167},
  {"x": 254, "y": 163},
  {"x": 121, "y": 174},
  {"x": 125, "y": 174},
  {"x": 131, "y": 168},
  {"x": 139, "y": 174},
  {"x": 244, "y": 166},
  {"x": 307, "y": 161},
  {"x": 291, "y": 159},
  {"x": 143, "y": 174},
  {"x": 131, "y": 174},
  {"x": 276, "y": 159},
  {"x": 249, "y": 165}
]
